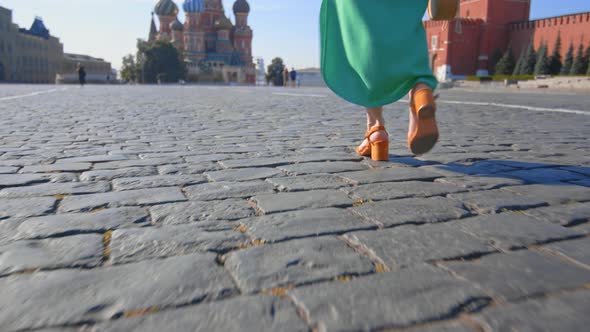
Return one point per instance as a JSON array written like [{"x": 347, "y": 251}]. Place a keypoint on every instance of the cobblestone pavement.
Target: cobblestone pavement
[{"x": 225, "y": 209}]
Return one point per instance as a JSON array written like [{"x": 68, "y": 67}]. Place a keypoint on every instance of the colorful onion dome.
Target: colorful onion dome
[
  {"x": 166, "y": 8},
  {"x": 194, "y": 6},
  {"x": 223, "y": 23},
  {"x": 176, "y": 25},
  {"x": 241, "y": 6}
]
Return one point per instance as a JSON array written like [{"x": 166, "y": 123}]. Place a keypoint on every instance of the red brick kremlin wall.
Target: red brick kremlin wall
[
  {"x": 573, "y": 29},
  {"x": 464, "y": 45}
]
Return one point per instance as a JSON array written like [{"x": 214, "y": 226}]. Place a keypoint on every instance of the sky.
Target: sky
[{"x": 109, "y": 29}]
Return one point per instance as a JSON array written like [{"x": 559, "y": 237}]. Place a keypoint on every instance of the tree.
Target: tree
[
  {"x": 130, "y": 70},
  {"x": 530, "y": 60},
  {"x": 569, "y": 60},
  {"x": 506, "y": 64},
  {"x": 275, "y": 71},
  {"x": 586, "y": 60},
  {"x": 519, "y": 63},
  {"x": 555, "y": 63},
  {"x": 161, "y": 62},
  {"x": 496, "y": 56},
  {"x": 578, "y": 66},
  {"x": 542, "y": 65}
]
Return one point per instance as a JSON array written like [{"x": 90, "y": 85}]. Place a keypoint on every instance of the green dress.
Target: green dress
[{"x": 374, "y": 51}]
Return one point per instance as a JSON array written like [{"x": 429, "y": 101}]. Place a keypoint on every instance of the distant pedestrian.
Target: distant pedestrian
[
  {"x": 293, "y": 77},
  {"x": 286, "y": 77},
  {"x": 81, "y": 74}
]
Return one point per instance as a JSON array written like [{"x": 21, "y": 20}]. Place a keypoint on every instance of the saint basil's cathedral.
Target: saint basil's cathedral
[{"x": 208, "y": 38}]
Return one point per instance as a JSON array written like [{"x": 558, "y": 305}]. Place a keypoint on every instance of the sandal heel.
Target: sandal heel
[{"x": 380, "y": 151}]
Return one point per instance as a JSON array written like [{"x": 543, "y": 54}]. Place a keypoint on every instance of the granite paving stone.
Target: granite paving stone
[
  {"x": 496, "y": 201},
  {"x": 107, "y": 175},
  {"x": 454, "y": 326},
  {"x": 323, "y": 167},
  {"x": 26, "y": 207},
  {"x": 278, "y": 227},
  {"x": 84, "y": 203},
  {"x": 513, "y": 230},
  {"x": 315, "y": 199},
  {"x": 565, "y": 215},
  {"x": 411, "y": 211},
  {"x": 197, "y": 212},
  {"x": 554, "y": 194},
  {"x": 131, "y": 245},
  {"x": 53, "y": 189},
  {"x": 11, "y": 180},
  {"x": 73, "y": 251},
  {"x": 248, "y": 313},
  {"x": 156, "y": 181},
  {"x": 396, "y": 174},
  {"x": 545, "y": 175},
  {"x": 388, "y": 300},
  {"x": 396, "y": 190},
  {"x": 562, "y": 312},
  {"x": 410, "y": 245},
  {"x": 186, "y": 169},
  {"x": 327, "y": 156},
  {"x": 99, "y": 295},
  {"x": 242, "y": 174},
  {"x": 207, "y": 158},
  {"x": 225, "y": 190},
  {"x": 308, "y": 182},
  {"x": 62, "y": 167},
  {"x": 521, "y": 274},
  {"x": 8, "y": 170},
  {"x": 474, "y": 183},
  {"x": 258, "y": 162},
  {"x": 578, "y": 250},
  {"x": 115, "y": 165},
  {"x": 92, "y": 159},
  {"x": 294, "y": 263},
  {"x": 75, "y": 223}
]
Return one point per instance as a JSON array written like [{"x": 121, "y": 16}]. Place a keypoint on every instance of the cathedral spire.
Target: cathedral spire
[{"x": 153, "y": 31}]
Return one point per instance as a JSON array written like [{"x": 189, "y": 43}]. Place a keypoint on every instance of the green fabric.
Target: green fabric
[{"x": 374, "y": 51}]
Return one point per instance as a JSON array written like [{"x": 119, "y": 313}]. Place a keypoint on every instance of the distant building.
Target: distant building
[
  {"x": 28, "y": 56},
  {"x": 98, "y": 71},
  {"x": 464, "y": 45},
  {"x": 210, "y": 43}
]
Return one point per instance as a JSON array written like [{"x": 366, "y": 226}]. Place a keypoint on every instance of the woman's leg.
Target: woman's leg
[{"x": 375, "y": 118}]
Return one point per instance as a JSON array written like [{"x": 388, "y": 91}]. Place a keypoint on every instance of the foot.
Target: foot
[{"x": 378, "y": 136}]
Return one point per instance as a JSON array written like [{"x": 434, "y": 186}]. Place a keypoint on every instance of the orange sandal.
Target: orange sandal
[
  {"x": 378, "y": 151},
  {"x": 426, "y": 134}
]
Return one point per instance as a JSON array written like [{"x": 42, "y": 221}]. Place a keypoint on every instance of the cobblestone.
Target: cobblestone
[
  {"x": 225, "y": 190},
  {"x": 97, "y": 222},
  {"x": 272, "y": 203},
  {"x": 73, "y": 251},
  {"x": 411, "y": 211},
  {"x": 529, "y": 274},
  {"x": 196, "y": 212},
  {"x": 305, "y": 223},
  {"x": 105, "y": 293},
  {"x": 386, "y": 300},
  {"x": 52, "y": 189},
  {"x": 131, "y": 245},
  {"x": 248, "y": 313},
  {"x": 85, "y": 203},
  {"x": 513, "y": 230},
  {"x": 294, "y": 263}
]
